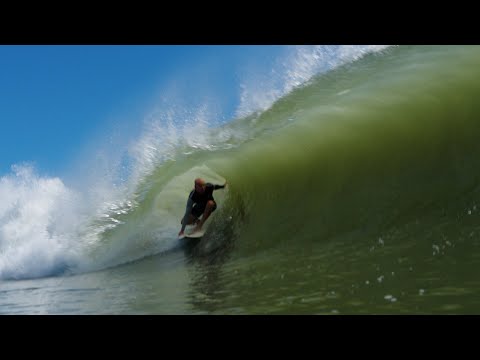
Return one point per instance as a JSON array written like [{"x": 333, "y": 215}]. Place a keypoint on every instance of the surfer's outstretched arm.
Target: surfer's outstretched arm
[{"x": 216, "y": 187}]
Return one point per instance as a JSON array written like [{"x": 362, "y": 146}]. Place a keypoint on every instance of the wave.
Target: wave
[{"x": 359, "y": 148}]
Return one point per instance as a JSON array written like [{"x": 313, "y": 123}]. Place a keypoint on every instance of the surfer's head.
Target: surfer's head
[{"x": 199, "y": 185}]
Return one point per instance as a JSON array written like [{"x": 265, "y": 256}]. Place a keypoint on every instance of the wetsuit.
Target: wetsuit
[{"x": 197, "y": 202}]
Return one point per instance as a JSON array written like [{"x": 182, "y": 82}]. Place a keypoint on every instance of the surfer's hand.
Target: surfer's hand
[{"x": 180, "y": 233}]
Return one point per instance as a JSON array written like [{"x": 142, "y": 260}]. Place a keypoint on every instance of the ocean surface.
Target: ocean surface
[{"x": 355, "y": 191}]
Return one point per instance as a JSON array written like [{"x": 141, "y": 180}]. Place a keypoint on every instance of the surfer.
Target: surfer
[{"x": 200, "y": 201}]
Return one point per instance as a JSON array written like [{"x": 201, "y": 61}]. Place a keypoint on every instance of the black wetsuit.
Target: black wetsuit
[{"x": 197, "y": 202}]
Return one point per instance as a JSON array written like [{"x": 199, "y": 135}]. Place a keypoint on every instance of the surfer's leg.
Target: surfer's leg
[
  {"x": 211, "y": 206},
  {"x": 191, "y": 220}
]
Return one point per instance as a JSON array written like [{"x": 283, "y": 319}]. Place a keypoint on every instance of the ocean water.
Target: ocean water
[{"x": 352, "y": 189}]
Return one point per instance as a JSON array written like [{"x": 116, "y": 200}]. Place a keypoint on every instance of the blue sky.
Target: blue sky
[{"x": 55, "y": 99}]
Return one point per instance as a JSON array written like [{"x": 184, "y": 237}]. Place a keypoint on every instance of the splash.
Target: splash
[
  {"x": 294, "y": 69},
  {"x": 36, "y": 222}
]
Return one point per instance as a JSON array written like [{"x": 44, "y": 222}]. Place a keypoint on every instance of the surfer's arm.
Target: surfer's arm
[
  {"x": 216, "y": 187},
  {"x": 188, "y": 210}
]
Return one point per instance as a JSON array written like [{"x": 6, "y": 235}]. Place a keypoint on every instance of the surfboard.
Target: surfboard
[
  {"x": 196, "y": 234},
  {"x": 193, "y": 235}
]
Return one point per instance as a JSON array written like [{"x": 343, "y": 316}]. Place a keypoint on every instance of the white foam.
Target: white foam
[{"x": 36, "y": 224}]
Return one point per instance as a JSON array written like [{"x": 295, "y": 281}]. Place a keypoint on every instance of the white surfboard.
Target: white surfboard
[{"x": 193, "y": 235}]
